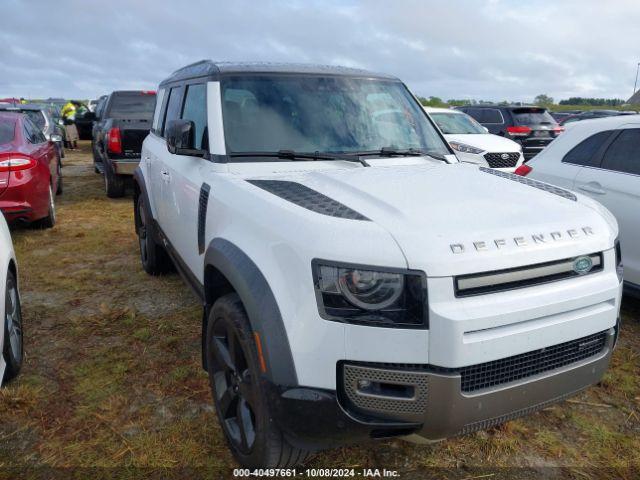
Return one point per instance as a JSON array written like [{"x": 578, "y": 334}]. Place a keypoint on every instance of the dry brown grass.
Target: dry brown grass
[{"x": 113, "y": 378}]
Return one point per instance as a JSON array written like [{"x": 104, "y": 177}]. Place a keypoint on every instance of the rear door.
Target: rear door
[
  {"x": 184, "y": 183},
  {"x": 616, "y": 184},
  {"x": 563, "y": 171}
]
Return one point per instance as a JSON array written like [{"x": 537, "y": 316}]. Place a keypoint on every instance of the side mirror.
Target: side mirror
[
  {"x": 181, "y": 138},
  {"x": 55, "y": 138},
  {"x": 486, "y": 129}
]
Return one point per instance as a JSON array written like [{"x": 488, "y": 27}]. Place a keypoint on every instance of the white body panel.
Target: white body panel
[
  {"x": 418, "y": 208},
  {"x": 619, "y": 192},
  {"x": 6, "y": 256}
]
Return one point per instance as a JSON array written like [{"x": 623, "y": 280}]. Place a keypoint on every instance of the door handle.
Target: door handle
[
  {"x": 594, "y": 187},
  {"x": 165, "y": 175}
]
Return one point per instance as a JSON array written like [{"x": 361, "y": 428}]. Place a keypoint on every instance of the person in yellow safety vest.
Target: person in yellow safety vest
[
  {"x": 68, "y": 114},
  {"x": 68, "y": 111}
]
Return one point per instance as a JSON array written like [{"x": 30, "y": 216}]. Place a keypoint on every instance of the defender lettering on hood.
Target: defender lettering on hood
[{"x": 541, "y": 238}]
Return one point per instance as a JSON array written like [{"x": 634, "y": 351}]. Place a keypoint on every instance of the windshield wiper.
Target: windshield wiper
[
  {"x": 402, "y": 152},
  {"x": 297, "y": 156}
]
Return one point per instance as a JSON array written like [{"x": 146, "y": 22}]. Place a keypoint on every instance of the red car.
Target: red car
[{"x": 29, "y": 172}]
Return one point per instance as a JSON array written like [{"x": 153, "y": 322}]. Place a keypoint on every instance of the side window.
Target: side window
[
  {"x": 623, "y": 155},
  {"x": 195, "y": 109},
  {"x": 30, "y": 131},
  {"x": 585, "y": 152},
  {"x": 491, "y": 115},
  {"x": 156, "y": 114},
  {"x": 173, "y": 107},
  {"x": 476, "y": 113}
]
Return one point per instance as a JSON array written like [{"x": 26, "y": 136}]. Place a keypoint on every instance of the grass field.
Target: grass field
[{"x": 112, "y": 385}]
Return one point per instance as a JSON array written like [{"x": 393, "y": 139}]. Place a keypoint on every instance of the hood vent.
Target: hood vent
[
  {"x": 532, "y": 183},
  {"x": 308, "y": 198}
]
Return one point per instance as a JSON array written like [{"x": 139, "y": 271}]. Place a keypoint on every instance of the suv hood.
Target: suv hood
[
  {"x": 487, "y": 142},
  {"x": 432, "y": 208}
]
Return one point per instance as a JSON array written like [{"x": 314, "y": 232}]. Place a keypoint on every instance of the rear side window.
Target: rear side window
[
  {"x": 173, "y": 106},
  {"x": 623, "y": 155},
  {"x": 195, "y": 109},
  {"x": 490, "y": 115},
  {"x": 585, "y": 152},
  {"x": 133, "y": 105},
  {"x": 7, "y": 131},
  {"x": 532, "y": 116},
  {"x": 32, "y": 133}
]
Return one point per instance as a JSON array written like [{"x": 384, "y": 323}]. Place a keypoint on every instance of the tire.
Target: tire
[
  {"x": 12, "y": 351},
  {"x": 50, "y": 220},
  {"x": 240, "y": 400},
  {"x": 59, "y": 189},
  {"x": 113, "y": 183},
  {"x": 153, "y": 257}
]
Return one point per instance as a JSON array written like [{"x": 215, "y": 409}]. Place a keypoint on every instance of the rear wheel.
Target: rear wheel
[
  {"x": 154, "y": 258},
  {"x": 50, "y": 220},
  {"x": 240, "y": 400},
  {"x": 113, "y": 183},
  {"x": 12, "y": 350}
]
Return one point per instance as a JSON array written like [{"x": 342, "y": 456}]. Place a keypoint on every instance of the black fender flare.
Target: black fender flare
[
  {"x": 138, "y": 180},
  {"x": 261, "y": 306}
]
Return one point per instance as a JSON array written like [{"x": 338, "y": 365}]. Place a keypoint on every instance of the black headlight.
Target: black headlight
[
  {"x": 382, "y": 297},
  {"x": 619, "y": 266}
]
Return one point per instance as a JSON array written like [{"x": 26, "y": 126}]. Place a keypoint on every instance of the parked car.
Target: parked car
[
  {"x": 11, "y": 344},
  {"x": 41, "y": 116},
  {"x": 123, "y": 122},
  {"x": 358, "y": 281},
  {"x": 473, "y": 143},
  {"x": 30, "y": 172},
  {"x": 590, "y": 114},
  {"x": 531, "y": 127},
  {"x": 559, "y": 116},
  {"x": 601, "y": 159}
]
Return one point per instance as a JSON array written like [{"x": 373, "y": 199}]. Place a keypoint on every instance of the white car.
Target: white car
[
  {"x": 357, "y": 281},
  {"x": 473, "y": 143},
  {"x": 11, "y": 333},
  {"x": 601, "y": 158}
]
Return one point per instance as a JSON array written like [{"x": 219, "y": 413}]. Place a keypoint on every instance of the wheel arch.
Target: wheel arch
[{"x": 228, "y": 269}]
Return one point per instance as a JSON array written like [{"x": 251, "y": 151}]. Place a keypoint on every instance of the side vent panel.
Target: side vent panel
[
  {"x": 203, "y": 201},
  {"x": 308, "y": 198},
  {"x": 532, "y": 183}
]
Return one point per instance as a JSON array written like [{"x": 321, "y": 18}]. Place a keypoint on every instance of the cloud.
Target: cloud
[{"x": 496, "y": 50}]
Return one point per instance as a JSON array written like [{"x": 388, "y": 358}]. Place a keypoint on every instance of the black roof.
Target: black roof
[{"x": 209, "y": 68}]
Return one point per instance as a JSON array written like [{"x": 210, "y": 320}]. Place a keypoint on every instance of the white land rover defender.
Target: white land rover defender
[{"x": 357, "y": 281}]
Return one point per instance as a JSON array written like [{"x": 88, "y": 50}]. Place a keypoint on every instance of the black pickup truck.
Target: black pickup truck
[{"x": 123, "y": 120}]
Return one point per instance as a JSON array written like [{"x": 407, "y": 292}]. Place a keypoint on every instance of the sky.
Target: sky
[{"x": 461, "y": 49}]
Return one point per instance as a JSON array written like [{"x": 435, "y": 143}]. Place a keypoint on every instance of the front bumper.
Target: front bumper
[
  {"x": 434, "y": 408},
  {"x": 125, "y": 167}
]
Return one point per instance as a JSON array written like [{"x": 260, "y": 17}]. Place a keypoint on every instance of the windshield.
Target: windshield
[
  {"x": 457, "y": 123},
  {"x": 304, "y": 113}
]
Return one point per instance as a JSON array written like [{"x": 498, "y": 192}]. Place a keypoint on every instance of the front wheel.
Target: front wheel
[
  {"x": 12, "y": 350},
  {"x": 240, "y": 400}
]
